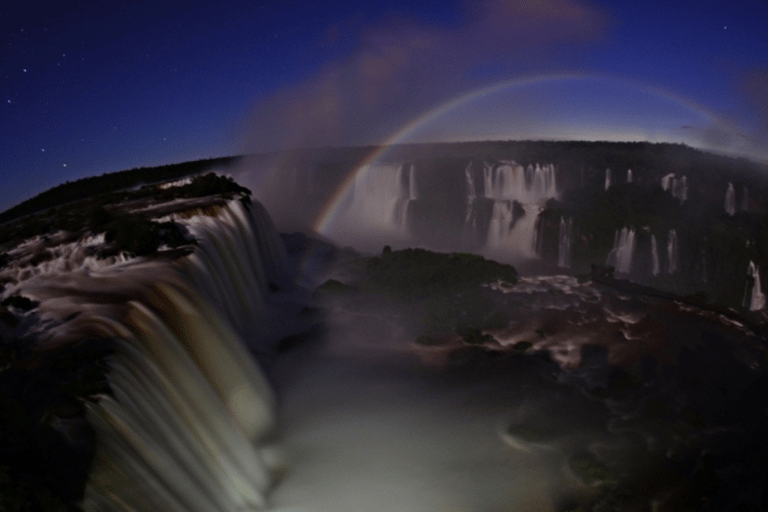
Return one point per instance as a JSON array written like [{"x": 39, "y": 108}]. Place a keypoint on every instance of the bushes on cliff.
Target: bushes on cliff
[
  {"x": 414, "y": 273},
  {"x": 134, "y": 234}
]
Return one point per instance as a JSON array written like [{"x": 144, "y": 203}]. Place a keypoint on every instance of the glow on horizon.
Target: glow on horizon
[{"x": 651, "y": 115}]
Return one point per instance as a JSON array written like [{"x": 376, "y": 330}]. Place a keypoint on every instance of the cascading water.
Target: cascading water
[
  {"x": 629, "y": 175},
  {"x": 184, "y": 427},
  {"x": 672, "y": 252},
  {"x": 754, "y": 298},
  {"x": 508, "y": 184},
  {"x": 380, "y": 199},
  {"x": 564, "y": 245},
  {"x": 607, "y": 179},
  {"x": 654, "y": 256},
  {"x": 470, "y": 210},
  {"x": 512, "y": 236},
  {"x": 543, "y": 183},
  {"x": 678, "y": 187},
  {"x": 623, "y": 247},
  {"x": 730, "y": 200},
  {"x": 681, "y": 189},
  {"x": 510, "y": 181}
]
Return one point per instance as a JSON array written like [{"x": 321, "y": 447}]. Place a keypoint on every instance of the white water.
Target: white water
[
  {"x": 629, "y": 175},
  {"x": 184, "y": 429},
  {"x": 379, "y": 203},
  {"x": 519, "y": 240},
  {"x": 730, "y": 200},
  {"x": 678, "y": 187},
  {"x": 754, "y": 298},
  {"x": 531, "y": 187},
  {"x": 666, "y": 181},
  {"x": 607, "y": 179},
  {"x": 623, "y": 248},
  {"x": 470, "y": 234},
  {"x": 510, "y": 181},
  {"x": 564, "y": 243},
  {"x": 654, "y": 256},
  {"x": 672, "y": 251}
]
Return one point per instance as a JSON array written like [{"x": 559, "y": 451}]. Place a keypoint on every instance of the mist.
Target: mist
[{"x": 402, "y": 67}]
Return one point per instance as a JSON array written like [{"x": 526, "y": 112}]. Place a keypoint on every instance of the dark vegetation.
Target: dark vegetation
[
  {"x": 417, "y": 273},
  {"x": 443, "y": 289},
  {"x": 125, "y": 231},
  {"x": 110, "y": 183},
  {"x": 45, "y": 443}
]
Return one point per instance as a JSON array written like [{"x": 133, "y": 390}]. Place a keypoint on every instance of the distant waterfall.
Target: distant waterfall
[
  {"x": 470, "y": 234},
  {"x": 412, "y": 190},
  {"x": 678, "y": 187},
  {"x": 672, "y": 251},
  {"x": 754, "y": 298},
  {"x": 564, "y": 245},
  {"x": 507, "y": 183},
  {"x": 623, "y": 248},
  {"x": 730, "y": 200},
  {"x": 543, "y": 182},
  {"x": 629, "y": 175},
  {"x": 607, "y": 179},
  {"x": 184, "y": 427},
  {"x": 654, "y": 256},
  {"x": 745, "y": 200},
  {"x": 510, "y": 181},
  {"x": 380, "y": 198},
  {"x": 510, "y": 236}
]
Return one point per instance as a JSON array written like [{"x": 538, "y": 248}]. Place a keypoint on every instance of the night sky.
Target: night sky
[{"x": 96, "y": 87}]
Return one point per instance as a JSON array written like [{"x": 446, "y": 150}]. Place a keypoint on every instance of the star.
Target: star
[
  {"x": 64, "y": 165},
  {"x": 43, "y": 150},
  {"x": 24, "y": 70}
]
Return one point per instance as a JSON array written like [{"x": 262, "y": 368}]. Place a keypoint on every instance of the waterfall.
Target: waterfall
[
  {"x": 544, "y": 185},
  {"x": 678, "y": 187},
  {"x": 185, "y": 424},
  {"x": 510, "y": 181},
  {"x": 470, "y": 209},
  {"x": 654, "y": 256},
  {"x": 745, "y": 200},
  {"x": 730, "y": 200},
  {"x": 629, "y": 175},
  {"x": 380, "y": 197},
  {"x": 412, "y": 190},
  {"x": 672, "y": 251},
  {"x": 510, "y": 236},
  {"x": 620, "y": 256},
  {"x": 564, "y": 245},
  {"x": 607, "y": 179},
  {"x": 507, "y": 184},
  {"x": 469, "y": 180},
  {"x": 754, "y": 298}
]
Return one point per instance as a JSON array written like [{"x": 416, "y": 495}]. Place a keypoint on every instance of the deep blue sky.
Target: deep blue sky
[{"x": 93, "y": 87}]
